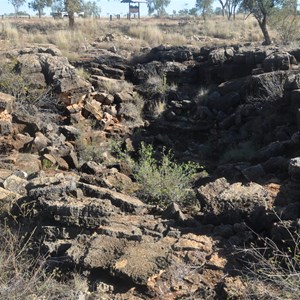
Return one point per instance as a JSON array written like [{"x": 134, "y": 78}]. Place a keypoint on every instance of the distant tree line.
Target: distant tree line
[
  {"x": 262, "y": 10},
  {"x": 89, "y": 7}
]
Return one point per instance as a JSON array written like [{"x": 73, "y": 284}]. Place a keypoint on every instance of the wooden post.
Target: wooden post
[
  {"x": 129, "y": 14},
  {"x": 139, "y": 13}
]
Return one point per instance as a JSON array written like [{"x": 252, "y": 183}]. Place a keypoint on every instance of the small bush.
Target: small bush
[
  {"x": 286, "y": 24},
  {"x": 164, "y": 181}
]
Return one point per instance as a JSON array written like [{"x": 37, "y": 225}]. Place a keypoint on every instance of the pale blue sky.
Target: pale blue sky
[{"x": 107, "y": 7}]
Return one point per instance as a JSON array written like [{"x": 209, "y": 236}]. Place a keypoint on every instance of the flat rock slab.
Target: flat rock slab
[
  {"x": 125, "y": 202},
  {"x": 134, "y": 260}
]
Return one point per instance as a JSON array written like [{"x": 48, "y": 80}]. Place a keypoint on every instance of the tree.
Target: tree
[
  {"x": 223, "y": 4},
  {"x": 261, "y": 10},
  {"x": 204, "y": 6},
  {"x": 231, "y": 8},
  {"x": 158, "y": 6},
  {"x": 17, "y": 4},
  {"x": 285, "y": 21},
  {"x": 39, "y": 5},
  {"x": 91, "y": 8},
  {"x": 71, "y": 6}
]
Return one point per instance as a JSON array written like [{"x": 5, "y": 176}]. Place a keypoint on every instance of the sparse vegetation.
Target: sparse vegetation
[
  {"x": 115, "y": 86},
  {"x": 273, "y": 270},
  {"x": 130, "y": 36},
  {"x": 23, "y": 276},
  {"x": 18, "y": 84},
  {"x": 163, "y": 181}
]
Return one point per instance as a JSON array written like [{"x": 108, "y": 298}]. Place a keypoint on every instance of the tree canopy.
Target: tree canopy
[
  {"x": 39, "y": 5},
  {"x": 17, "y": 4},
  {"x": 158, "y": 6},
  {"x": 204, "y": 7}
]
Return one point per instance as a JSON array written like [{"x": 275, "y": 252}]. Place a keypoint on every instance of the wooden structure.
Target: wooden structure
[{"x": 134, "y": 7}]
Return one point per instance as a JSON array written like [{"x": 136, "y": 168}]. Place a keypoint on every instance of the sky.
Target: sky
[{"x": 112, "y": 7}]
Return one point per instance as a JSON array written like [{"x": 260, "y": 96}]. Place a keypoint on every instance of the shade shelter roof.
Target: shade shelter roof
[{"x": 133, "y": 1}]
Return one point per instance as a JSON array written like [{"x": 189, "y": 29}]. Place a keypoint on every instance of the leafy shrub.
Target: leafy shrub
[{"x": 164, "y": 181}]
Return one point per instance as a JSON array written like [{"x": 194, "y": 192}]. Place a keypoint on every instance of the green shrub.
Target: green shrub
[{"x": 163, "y": 181}]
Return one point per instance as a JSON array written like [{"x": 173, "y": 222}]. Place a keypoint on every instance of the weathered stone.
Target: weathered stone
[
  {"x": 92, "y": 109},
  {"x": 91, "y": 167},
  {"x": 165, "y": 53},
  {"x": 96, "y": 252},
  {"x": 223, "y": 103},
  {"x": 192, "y": 242},
  {"x": 7, "y": 199},
  {"x": 120, "y": 182},
  {"x": 229, "y": 204},
  {"x": 123, "y": 96},
  {"x": 40, "y": 141},
  {"x": 234, "y": 288},
  {"x": 217, "y": 56},
  {"x": 15, "y": 184},
  {"x": 83, "y": 212},
  {"x": 123, "y": 201},
  {"x": 294, "y": 167},
  {"x": 111, "y": 72},
  {"x": 29, "y": 163},
  {"x": 254, "y": 173},
  {"x": 271, "y": 150},
  {"x": 70, "y": 132},
  {"x": 104, "y": 98},
  {"x": 173, "y": 212},
  {"x": 5, "y": 123},
  {"x": 278, "y": 61},
  {"x": 141, "y": 260},
  {"x": 7, "y": 103}
]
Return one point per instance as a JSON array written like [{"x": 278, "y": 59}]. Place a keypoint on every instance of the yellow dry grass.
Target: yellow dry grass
[{"x": 129, "y": 35}]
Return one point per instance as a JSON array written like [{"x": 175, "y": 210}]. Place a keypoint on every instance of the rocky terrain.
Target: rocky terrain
[{"x": 234, "y": 110}]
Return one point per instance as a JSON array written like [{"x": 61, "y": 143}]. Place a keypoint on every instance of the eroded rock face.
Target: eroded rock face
[
  {"x": 233, "y": 203},
  {"x": 44, "y": 65},
  {"x": 102, "y": 231},
  {"x": 85, "y": 213}
]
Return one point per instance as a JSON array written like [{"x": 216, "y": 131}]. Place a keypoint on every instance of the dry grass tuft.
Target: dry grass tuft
[
  {"x": 23, "y": 276},
  {"x": 273, "y": 271}
]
